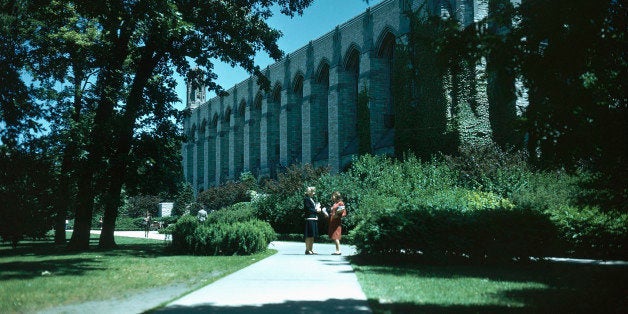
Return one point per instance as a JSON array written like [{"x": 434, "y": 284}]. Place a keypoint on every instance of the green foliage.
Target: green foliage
[
  {"x": 579, "y": 112},
  {"x": 239, "y": 238},
  {"x": 545, "y": 190},
  {"x": 240, "y": 212},
  {"x": 283, "y": 206},
  {"x": 363, "y": 123},
  {"x": 215, "y": 198},
  {"x": 479, "y": 206},
  {"x": 284, "y": 213},
  {"x": 183, "y": 233},
  {"x": 231, "y": 231},
  {"x": 293, "y": 179},
  {"x": 26, "y": 195},
  {"x": 592, "y": 233},
  {"x": 138, "y": 206},
  {"x": 490, "y": 168},
  {"x": 419, "y": 92},
  {"x": 129, "y": 223},
  {"x": 487, "y": 234},
  {"x": 183, "y": 200}
]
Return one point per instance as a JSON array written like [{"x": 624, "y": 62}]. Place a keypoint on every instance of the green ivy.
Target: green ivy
[{"x": 363, "y": 123}]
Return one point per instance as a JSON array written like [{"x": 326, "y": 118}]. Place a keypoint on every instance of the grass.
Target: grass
[
  {"x": 410, "y": 287},
  {"x": 37, "y": 272}
]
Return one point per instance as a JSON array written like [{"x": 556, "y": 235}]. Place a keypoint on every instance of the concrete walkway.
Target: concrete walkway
[{"x": 287, "y": 282}]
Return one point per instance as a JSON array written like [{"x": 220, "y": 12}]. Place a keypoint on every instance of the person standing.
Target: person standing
[
  {"x": 311, "y": 209},
  {"x": 146, "y": 224},
  {"x": 337, "y": 211}
]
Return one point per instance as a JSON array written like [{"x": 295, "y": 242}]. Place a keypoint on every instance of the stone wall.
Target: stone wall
[{"x": 309, "y": 115}]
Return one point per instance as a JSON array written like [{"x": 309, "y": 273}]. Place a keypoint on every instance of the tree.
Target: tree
[
  {"x": 61, "y": 53},
  {"x": 573, "y": 62},
  {"x": 572, "y": 54},
  {"x": 142, "y": 40},
  {"x": 18, "y": 112},
  {"x": 183, "y": 200}
]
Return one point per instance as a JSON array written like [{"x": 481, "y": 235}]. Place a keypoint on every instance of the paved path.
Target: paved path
[
  {"x": 138, "y": 234},
  {"x": 287, "y": 282}
]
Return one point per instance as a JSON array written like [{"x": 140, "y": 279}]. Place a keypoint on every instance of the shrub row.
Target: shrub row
[
  {"x": 241, "y": 238},
  {"x": 483, "y": 206},
  {"x": 479, "y": 235},
  {"x": 229, "y": 231},
  {"x": 591, "y": 233}
]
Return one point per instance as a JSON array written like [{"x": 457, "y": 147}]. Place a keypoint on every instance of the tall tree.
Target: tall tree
[
  {"x": 573, "y": 59},
  {"x": 141, "y": 40},
  {"x": 61, "y": 54}
]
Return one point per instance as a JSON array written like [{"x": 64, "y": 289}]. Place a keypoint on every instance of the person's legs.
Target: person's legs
[
  {"x": 309, "y": 242},
  {"x": 337, "y": 243}
]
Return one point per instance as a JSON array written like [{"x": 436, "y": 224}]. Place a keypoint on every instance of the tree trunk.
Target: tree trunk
[
  {"x": 109, "y": 85},
  {"x": 69, "y": 153},
  {"x": 117, "y": 172}
]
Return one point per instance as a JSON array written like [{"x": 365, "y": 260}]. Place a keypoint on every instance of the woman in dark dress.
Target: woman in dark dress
[
  {"x": 335, "y": 220},
  {"x": 311, "y": 209}
]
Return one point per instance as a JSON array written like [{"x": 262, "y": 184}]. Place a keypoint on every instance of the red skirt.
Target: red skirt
[{"x": 335, "y": 229}]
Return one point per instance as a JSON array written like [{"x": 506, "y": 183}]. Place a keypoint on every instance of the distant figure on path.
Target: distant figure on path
[
  {"x": 337, "y": 211},
  {"x": 147, "y": 221},
  {"x": 311, "y": 209}
]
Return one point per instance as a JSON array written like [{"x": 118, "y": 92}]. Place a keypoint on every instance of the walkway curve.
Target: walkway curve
[{"x": 287, "y": 282}]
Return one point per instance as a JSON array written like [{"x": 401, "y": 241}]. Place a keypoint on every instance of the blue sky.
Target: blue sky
[{"x": 318, "y": 19}]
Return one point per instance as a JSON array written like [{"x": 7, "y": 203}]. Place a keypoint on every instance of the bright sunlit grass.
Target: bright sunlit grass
[
  {"x": 40, "y": 275},
  {"x": 541, "y": 288}
]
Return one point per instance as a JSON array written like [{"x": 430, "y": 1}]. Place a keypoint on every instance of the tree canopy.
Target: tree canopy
[{"x": 116, "y": 61}]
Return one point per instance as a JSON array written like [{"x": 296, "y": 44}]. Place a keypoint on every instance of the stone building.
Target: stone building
[{"x": 309, "y": 115}]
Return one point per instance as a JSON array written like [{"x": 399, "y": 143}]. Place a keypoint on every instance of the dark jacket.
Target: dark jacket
[{"x": 309, "y": 208}]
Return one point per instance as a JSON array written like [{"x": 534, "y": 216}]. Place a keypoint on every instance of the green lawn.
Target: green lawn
[
  {"x": 406, "y": 287},
  {"x": 39, "y": 275}
]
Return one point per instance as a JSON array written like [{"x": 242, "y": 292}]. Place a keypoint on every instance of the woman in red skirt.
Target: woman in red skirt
[{"x": 335, "y": 220}]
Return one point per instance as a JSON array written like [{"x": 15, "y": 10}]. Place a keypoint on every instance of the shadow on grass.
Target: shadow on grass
[
  {"x": 328, "y": 306},
  {"x": 569, "y": 287},
  {"x": 125, "y": 247},
  {"x": 33, "y": 269},
  {"x": 31, "y": 257}
]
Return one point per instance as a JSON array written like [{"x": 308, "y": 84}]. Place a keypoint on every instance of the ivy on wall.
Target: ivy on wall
[
  {"x": 449, "y": 91},
  {"x": 419, "y": 93},
  {"x": 363, "y": 123}
]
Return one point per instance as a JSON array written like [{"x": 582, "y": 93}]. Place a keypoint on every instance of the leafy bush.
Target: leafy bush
[
  {"x": 225, "y": 195},
  {"x": 455, "y": 208},
  {"x": 284, "y": 214},
  {"x": 589, "y": 232},
  {"x": 412, "y": 207},
  {"x": 487, "y": 234},
  {"x": 183, "y": 233},
  {"x": 226, "y": 232},
  {"x": 490, "y": 168},
  {"x": 282, "y": 207},
  {"x": 129, "y": 224},
  {"x": 183, "y": 200},
  {"x": 293, "y": 180},
  {"x": 166, "y": 221},
  {"x": 381, "y": 182},
  {"x": 239, "y": 212},
  {"x": 546, "y": 190},
  {"x": 242, "y": 238},
  {"x": 137, "y": 206}
]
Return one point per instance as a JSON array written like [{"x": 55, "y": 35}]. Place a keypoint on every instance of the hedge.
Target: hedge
[{"x": 225, "y": 232}]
